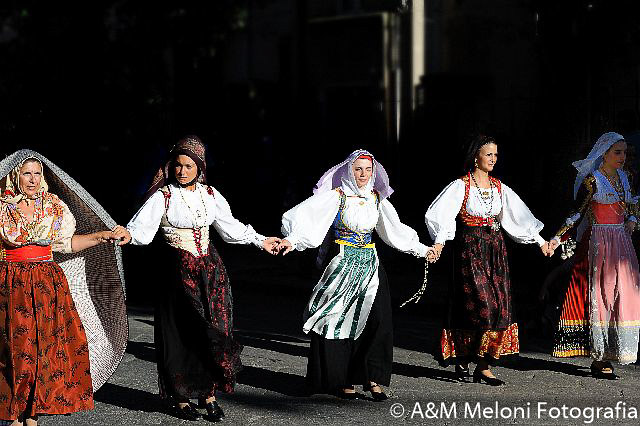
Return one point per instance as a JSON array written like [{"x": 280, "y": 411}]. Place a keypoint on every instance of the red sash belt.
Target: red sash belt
[
  {"x": 477, "y": 220},
  {"x": 31, "y": 253},
  {"x": 608, "y": 213}
]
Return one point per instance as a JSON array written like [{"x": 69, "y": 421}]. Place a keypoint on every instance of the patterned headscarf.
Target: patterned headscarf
[
  {"x": 341, "y": 175},
  {"x": 594, "y": 159},
  {"x": 10, "y": 190},
  {"x": 190, "y": 146}
]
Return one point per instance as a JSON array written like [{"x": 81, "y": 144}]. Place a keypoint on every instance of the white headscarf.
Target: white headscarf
[
  {"x": 594, "y": 159},
  {"x": 342, "y": 176}
]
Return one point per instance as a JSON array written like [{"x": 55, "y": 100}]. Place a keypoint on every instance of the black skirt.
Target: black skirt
[
  {"x": 337, "y": 363},
  {"x": 193, "y": 328}
]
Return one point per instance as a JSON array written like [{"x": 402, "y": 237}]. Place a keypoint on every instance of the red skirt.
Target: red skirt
[{"x": 44, "y": 356}]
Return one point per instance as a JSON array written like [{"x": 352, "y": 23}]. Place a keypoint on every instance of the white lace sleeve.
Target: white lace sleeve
[
  {"x": 395, "y": 233},
  {"x": 231, "y": 229},
  {"x": 441, "y": 214},
  {"x": 145, "y": 223},
  {"x": 517, "y": 220},
  {"x": 306, "y": 225}
]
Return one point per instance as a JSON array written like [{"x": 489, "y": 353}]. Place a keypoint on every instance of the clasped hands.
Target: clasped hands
[
  {"x": 434, "y": 252},
  {"x": 271, "y": 245},
  {"x": 115, "y": 235},
  {"x": 121, "y": 235}
]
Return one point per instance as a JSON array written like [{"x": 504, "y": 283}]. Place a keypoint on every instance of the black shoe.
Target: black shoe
[
  {"x": 606, "y": 375},
  {"x": 340, "y": 393},
  {"x": 377, "y": 396},
  {"x": 214, "y": 412},
  {"x": 462, "y": 373},
  {"x": 185, "y": 413},
  {"x": 491, "y": 381}
]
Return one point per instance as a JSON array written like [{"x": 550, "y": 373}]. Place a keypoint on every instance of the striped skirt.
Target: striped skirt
[{"x": 342, "y": 299}]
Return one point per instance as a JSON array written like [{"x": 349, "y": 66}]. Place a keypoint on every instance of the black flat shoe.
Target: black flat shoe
[
  {"x": 605, "y": 375},
  {"x": 491, "y": 381},
  {"x": 462, "y": 373},
  {"x": 340, "y": 393},
  {"x": 214, "y": 412},
  {"x": 185, "y": 413},
  {"x": 377, "y": 396}
]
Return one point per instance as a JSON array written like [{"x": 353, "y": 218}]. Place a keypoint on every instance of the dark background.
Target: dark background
[{"x": 280, "y": 90}]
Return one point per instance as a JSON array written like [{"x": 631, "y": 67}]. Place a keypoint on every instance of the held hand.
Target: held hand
[
  {"x": 546, "y": 249},
  {"x": 434, "y": 253},
  {"x": 553, "y": 244},
  {"x": 630, "y": 226},
  {"x": 430, "y": 255},
  {"x": 270, "y": 245},
  {"x": 121, "y": 234},
  {"x": 284, "y": 245},
  {"x": 103, "y": 236}
]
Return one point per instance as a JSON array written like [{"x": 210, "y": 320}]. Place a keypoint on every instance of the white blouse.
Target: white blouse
[
  {"x": 514, "y": 216},
  {"x": 306, "y": 225},
  {"x": 190, "y": 210}
]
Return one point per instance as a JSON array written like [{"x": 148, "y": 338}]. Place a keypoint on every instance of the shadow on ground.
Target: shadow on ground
[{"x": 131, "y": 399}]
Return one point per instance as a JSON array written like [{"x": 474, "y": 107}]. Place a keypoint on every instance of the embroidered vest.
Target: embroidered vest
[
  {"x": 193, "y": 240},
  {"x": 466, "y": 217},
  {"x": 343, "y": 234}
]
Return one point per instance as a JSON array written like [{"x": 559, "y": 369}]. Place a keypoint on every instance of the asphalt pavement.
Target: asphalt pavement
[{"x": 540, "y": 389}]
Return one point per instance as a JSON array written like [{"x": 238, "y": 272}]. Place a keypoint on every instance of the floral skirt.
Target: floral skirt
[
  {"x": 195, "y": 349},
  {"x": 44, "y": 356},
  {"x": 479, "y": 322}
]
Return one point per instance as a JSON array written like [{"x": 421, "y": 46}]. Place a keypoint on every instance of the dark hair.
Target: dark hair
[{"x": 474, "y": 144}]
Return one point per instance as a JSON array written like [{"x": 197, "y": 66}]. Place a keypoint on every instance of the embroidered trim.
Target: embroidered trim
[{"x": 468, "y": 218}]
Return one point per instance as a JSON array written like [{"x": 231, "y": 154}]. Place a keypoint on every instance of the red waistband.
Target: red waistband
[
  {"x": 477, "y": 220},
  {"x": 31, "y": 253},
  {"x": 608, "y": 213}
]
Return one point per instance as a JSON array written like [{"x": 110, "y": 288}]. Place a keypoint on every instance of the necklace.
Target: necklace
[
  {"x": 197, "y": 216},
  {"x": 484, "y": 195},
  {"x": 617, "y": 185},
  {"x": 494, "y": 223}
]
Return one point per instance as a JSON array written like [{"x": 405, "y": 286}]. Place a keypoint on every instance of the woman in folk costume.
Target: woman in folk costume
[
  {"x": 479, "y": 326},
  {"x": 46, "y": 361},
  {"x": 349, "y": 313},
  {"x": 600, "y": 316},
  {"x": 195, "y": 349}
]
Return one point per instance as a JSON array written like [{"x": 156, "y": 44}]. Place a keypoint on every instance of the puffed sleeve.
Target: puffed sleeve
[
  {"x": 395, "y": 233},
  {"x": 145, "y": 223},
  {"x": 583, "y": 198},
  {"x": 62, "y": 243},
  {"x": 441, "y": 214},
  {"x": 517, "y": 220},
  {"x": 306, "y": 225},
  {"x": 231, "y": 229}
]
